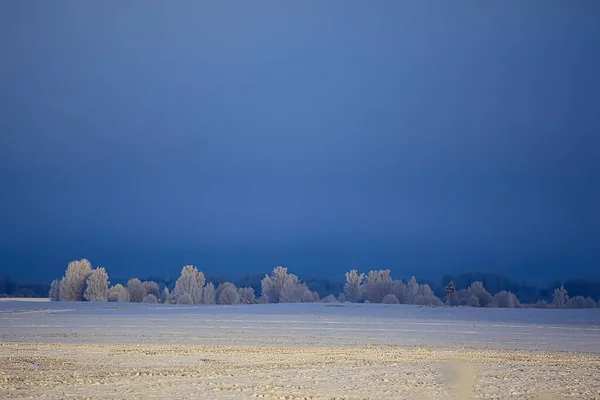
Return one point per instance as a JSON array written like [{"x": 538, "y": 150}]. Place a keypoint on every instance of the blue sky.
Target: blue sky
[{"x": 425, "y": 138}]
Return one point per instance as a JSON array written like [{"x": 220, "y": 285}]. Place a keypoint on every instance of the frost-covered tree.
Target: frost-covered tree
[
  {"x": 560, "y": 297},
  {"x": 150, "y": 298},
  {"x": 190, "y": 282},
  {"x": 483, "y": 296},
  {"x": 426, "y": 297},
  {"x": 186, "y": 298},
  {"x": 353, "y": 284},
  {"x": 263, "y": 299},
  {"x": 472, "y": 301},
  {"x": 329, "y": 299},
  {"x": 377, "y": 284},
  {"x": 580, "y": 302},
  {"x": 246, "y": 295},
  {"x": 151, "y": 287},
  {"x": 341, "y": 297},
  {"x": 227, "y": 294},
  {"x": 506, "y": 299},
  {"x": 72, "y": 285},
  {"x": 390, "y": 299},
  {"x": 400, "y": 290},
  {"x": 136, "y": 290},
  {"x": 412, "y": 290},
  {"x": 118, "y": 293},
  {"x": 208, "y": 294},
  {"x": 308, "y": 296},
  {"x": 54, "y": 293},
  {"x": 97, "y": 286},
  {"x": 282, "y": 287},
  {"x": 450, "y": 296},
  {"x": 165, "y": 297}
]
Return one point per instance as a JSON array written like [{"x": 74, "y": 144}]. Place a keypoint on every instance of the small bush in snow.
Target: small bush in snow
[
  {"x": 246, "y": 295},
  {"x": 390, "y": 299},
  {"x": 541, "y": 304},
  {"x": 118, "y": 293},
  {"x": 136, "y": 290},
  {"x": 227, "y": 295},
  {"x": 150, "y": 298},
  {"x": 330, "y": 299},
  {"x": 506, "y": 299},
  {"x": 580, "y": 302}
]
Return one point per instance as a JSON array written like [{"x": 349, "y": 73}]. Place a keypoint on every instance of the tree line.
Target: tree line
[{"x": 81, "y": 282}]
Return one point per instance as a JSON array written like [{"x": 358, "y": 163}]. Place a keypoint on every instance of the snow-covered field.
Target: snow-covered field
[{"x": 108, "y": 350}]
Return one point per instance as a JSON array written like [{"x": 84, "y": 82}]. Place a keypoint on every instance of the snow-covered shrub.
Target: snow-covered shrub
[
  {"x": 505, "y": 299},
  {"x": 136, "y": 290},
  {"x": 329, "y": 299},
  {"x": 580, "y": 302},
  {"x": 390, "y": 299},
  {"x": 246, "y": 295},
  {"x": 150, "y": 298},
  {"x": 227, "y": 294}
]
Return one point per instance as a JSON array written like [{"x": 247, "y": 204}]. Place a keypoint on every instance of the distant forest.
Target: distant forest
[{"x": 372, "y": 287}]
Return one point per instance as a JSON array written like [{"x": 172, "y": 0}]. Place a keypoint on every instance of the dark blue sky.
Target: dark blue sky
[{"x": 425, "y": 137}]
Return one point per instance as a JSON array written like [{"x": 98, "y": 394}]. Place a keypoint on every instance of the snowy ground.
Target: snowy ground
[{"x": 296, "y": 351}]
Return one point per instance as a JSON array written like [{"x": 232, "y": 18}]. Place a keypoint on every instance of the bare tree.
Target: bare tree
[
  {"x": 208, "y": 294},
  {"x": 190, "y": 282},
  {"x": 97, "y": 286},
  {"x": 353, "y": 284},
  {"x": 72, "y": 285},
  {"x": 246, "y": 295},
  {"x": 560, "y": 297},
  {"x": 54, "y": 293},
  {"x": 136, "y": 290}
]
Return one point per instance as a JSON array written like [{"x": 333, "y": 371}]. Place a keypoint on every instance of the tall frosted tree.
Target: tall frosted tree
[
  {"x": 208, "y": 294},
  {"x": 72, "y": 285},
  {"x": 560, "y": 297},
  {"x": 191, "y": 283},
  {"x": 227, "y": 294},
  {"x": 354, "y": 281},
  {"x": 54, "y": 293},
  {"x": 377, "y": 284},
  {"x": 97, "y": 286}
]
